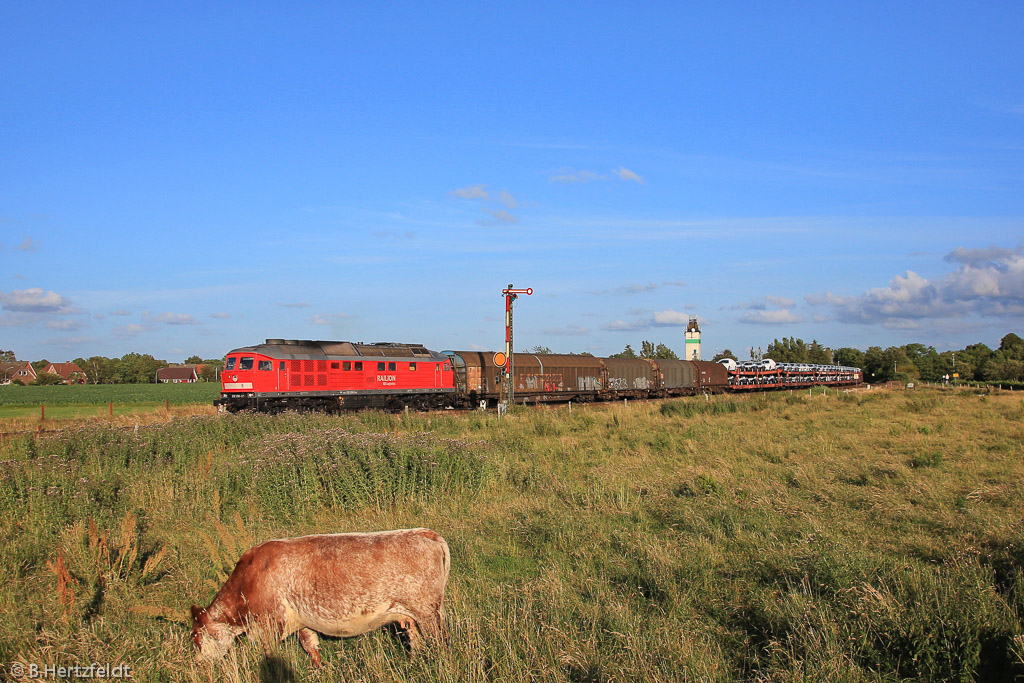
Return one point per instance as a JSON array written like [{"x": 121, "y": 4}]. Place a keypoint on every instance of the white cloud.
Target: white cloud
[
  {"x": 623, "y": 326},
  {"x": 670, "y": 318},
  {"x": 35, "y": 300},
  {"x": 28, "y": 244},
  {"x": 666, "y": 318},
  {"x": 329, "y": 319},
  {"x": 297, "y": 304},
  {"x": 572, "y": 175},
  {"x": 764, "y": 303},
  {"x": 480, "y": 193},
  {"x": 470, "y": 192},
  {"x": 384, "y": 234},
  {"x": 780, "y": 301},
  {"x": 128, "y": 331},
  {"x": 221, "y": 316},
  {"x": 73, "y": 343},
  {"x": 501, "y": 216},
  {"x": 508, "y": 200},
  {"x": 67, "y": 324},
  {"x": 637, "y": 288},
  {"x": 987, "y": 283},
  {"x": 768, "y": 310},
  {"x": 626, "y": 174},
  {"x": 170, "y": 318},
  {"x": 764, "y": 317},
  {"x": 569, "y": 175}
]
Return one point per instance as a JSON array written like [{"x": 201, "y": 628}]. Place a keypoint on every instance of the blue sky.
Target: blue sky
[{"x": 187, "y": 178}]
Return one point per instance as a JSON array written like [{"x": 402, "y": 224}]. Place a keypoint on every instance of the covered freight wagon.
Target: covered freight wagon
[{"x": 537, "y": 377}]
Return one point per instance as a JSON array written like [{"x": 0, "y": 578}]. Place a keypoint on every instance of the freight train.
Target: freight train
[{"x": 284, "y": 374}]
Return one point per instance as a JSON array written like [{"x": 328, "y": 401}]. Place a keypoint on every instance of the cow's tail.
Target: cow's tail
[{"x": 446, "y": 561}]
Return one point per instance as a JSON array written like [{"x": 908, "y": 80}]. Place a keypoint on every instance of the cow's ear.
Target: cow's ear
[{"x": 197, "y": 613}]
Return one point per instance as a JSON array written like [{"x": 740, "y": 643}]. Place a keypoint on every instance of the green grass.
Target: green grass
[
  {"x": 88, "y": 402},
  {"x": 102, "y": 394},
  {"x": 784, "y": 537}
]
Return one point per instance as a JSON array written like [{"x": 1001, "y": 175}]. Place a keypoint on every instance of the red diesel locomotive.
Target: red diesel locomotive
[{"x": 287, "y": 374}]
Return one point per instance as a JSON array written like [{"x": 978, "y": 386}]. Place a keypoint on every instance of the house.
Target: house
[
  {"x": 71, "y": 373},
  {"x": 181, "y": 374},
  {"x": 21, "y": 371}
]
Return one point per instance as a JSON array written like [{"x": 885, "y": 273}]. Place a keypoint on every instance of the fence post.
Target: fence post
[{"x": 42, "y": 412}]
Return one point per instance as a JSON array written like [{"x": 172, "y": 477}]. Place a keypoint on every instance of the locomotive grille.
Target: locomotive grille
[{"x": 308, "y": 373}]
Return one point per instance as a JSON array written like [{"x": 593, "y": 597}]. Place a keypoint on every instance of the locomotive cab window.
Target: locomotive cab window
[
  {"x": 281, "y": 366},
  {"x": 245, "y": 363},
  {"x": 359, "y": 366},
  {"x": 412, "y": 367},
  {"x": 380, "y": 367},
  {"x": 334, "y": 366},
  {"x": 346, "y": 365},
  {"x": 231, "y": 363},
  {"x": 266, "y": 365},
  {"x": 392, "y": 367}
]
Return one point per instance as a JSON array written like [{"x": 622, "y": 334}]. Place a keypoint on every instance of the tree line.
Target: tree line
[
  {"x": 976, "y": 362},
  {"x": 131, "y": 368},
  {"x": 910, "y": 362}
]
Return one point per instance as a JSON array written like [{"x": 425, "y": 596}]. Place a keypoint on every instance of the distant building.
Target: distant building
[
  {"x": 20, "y": 370},
  {"x": 180, "y": 374},
  {"x": 692, "y": 340},
  {"x": 69, "y": 372}
]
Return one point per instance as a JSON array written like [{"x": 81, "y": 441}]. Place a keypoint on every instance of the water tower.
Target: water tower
[{"x": 692, "y": 340}]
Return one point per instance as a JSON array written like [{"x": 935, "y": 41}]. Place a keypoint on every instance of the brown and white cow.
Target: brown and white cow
[{"x": 335, "y": 584}]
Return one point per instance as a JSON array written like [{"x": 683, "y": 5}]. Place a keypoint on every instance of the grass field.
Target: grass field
[
  {"x": 777, "y": 537},
  {"x": 102, "y": 394},
  {"x": 20, "y": 407}
]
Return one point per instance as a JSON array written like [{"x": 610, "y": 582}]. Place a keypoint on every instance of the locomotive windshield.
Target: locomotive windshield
[
  {"x": 231, "y": 363},
  {"x": 245, "y": 363}
]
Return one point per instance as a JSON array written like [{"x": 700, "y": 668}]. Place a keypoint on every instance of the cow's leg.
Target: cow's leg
[
  {"x": 310, "y": 642},
  {"x": 430, "y": 626},
  {"x": 412, "y": 632}
]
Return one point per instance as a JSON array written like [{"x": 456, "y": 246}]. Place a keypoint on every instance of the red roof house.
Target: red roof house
[
  {"x": 177, "y": 375},
  {"x": 71, "y": 373},
  {"x": 20, "y": 370}
]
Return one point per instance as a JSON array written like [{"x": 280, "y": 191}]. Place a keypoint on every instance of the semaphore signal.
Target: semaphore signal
[{"x": 511, "y": 294}]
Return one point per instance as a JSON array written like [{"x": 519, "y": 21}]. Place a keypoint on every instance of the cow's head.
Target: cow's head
[{"x": 210, "y": 639}]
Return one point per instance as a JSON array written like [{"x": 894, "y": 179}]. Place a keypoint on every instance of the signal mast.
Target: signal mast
[{"x": 511, "y": 295}]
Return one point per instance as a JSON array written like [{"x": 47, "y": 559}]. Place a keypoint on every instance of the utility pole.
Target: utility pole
[{"x": 510, "y": 296}]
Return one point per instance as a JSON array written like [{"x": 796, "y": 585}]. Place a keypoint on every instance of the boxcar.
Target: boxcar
[
  {"x": 538, "y": 377},
  {"x": 678, "y": 377},
  {"x": 631, "y": 377},
  {"x": 711, "y": 377}
]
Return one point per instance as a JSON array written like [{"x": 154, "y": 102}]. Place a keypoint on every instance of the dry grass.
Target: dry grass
[{"x": 795, "y": 537}]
